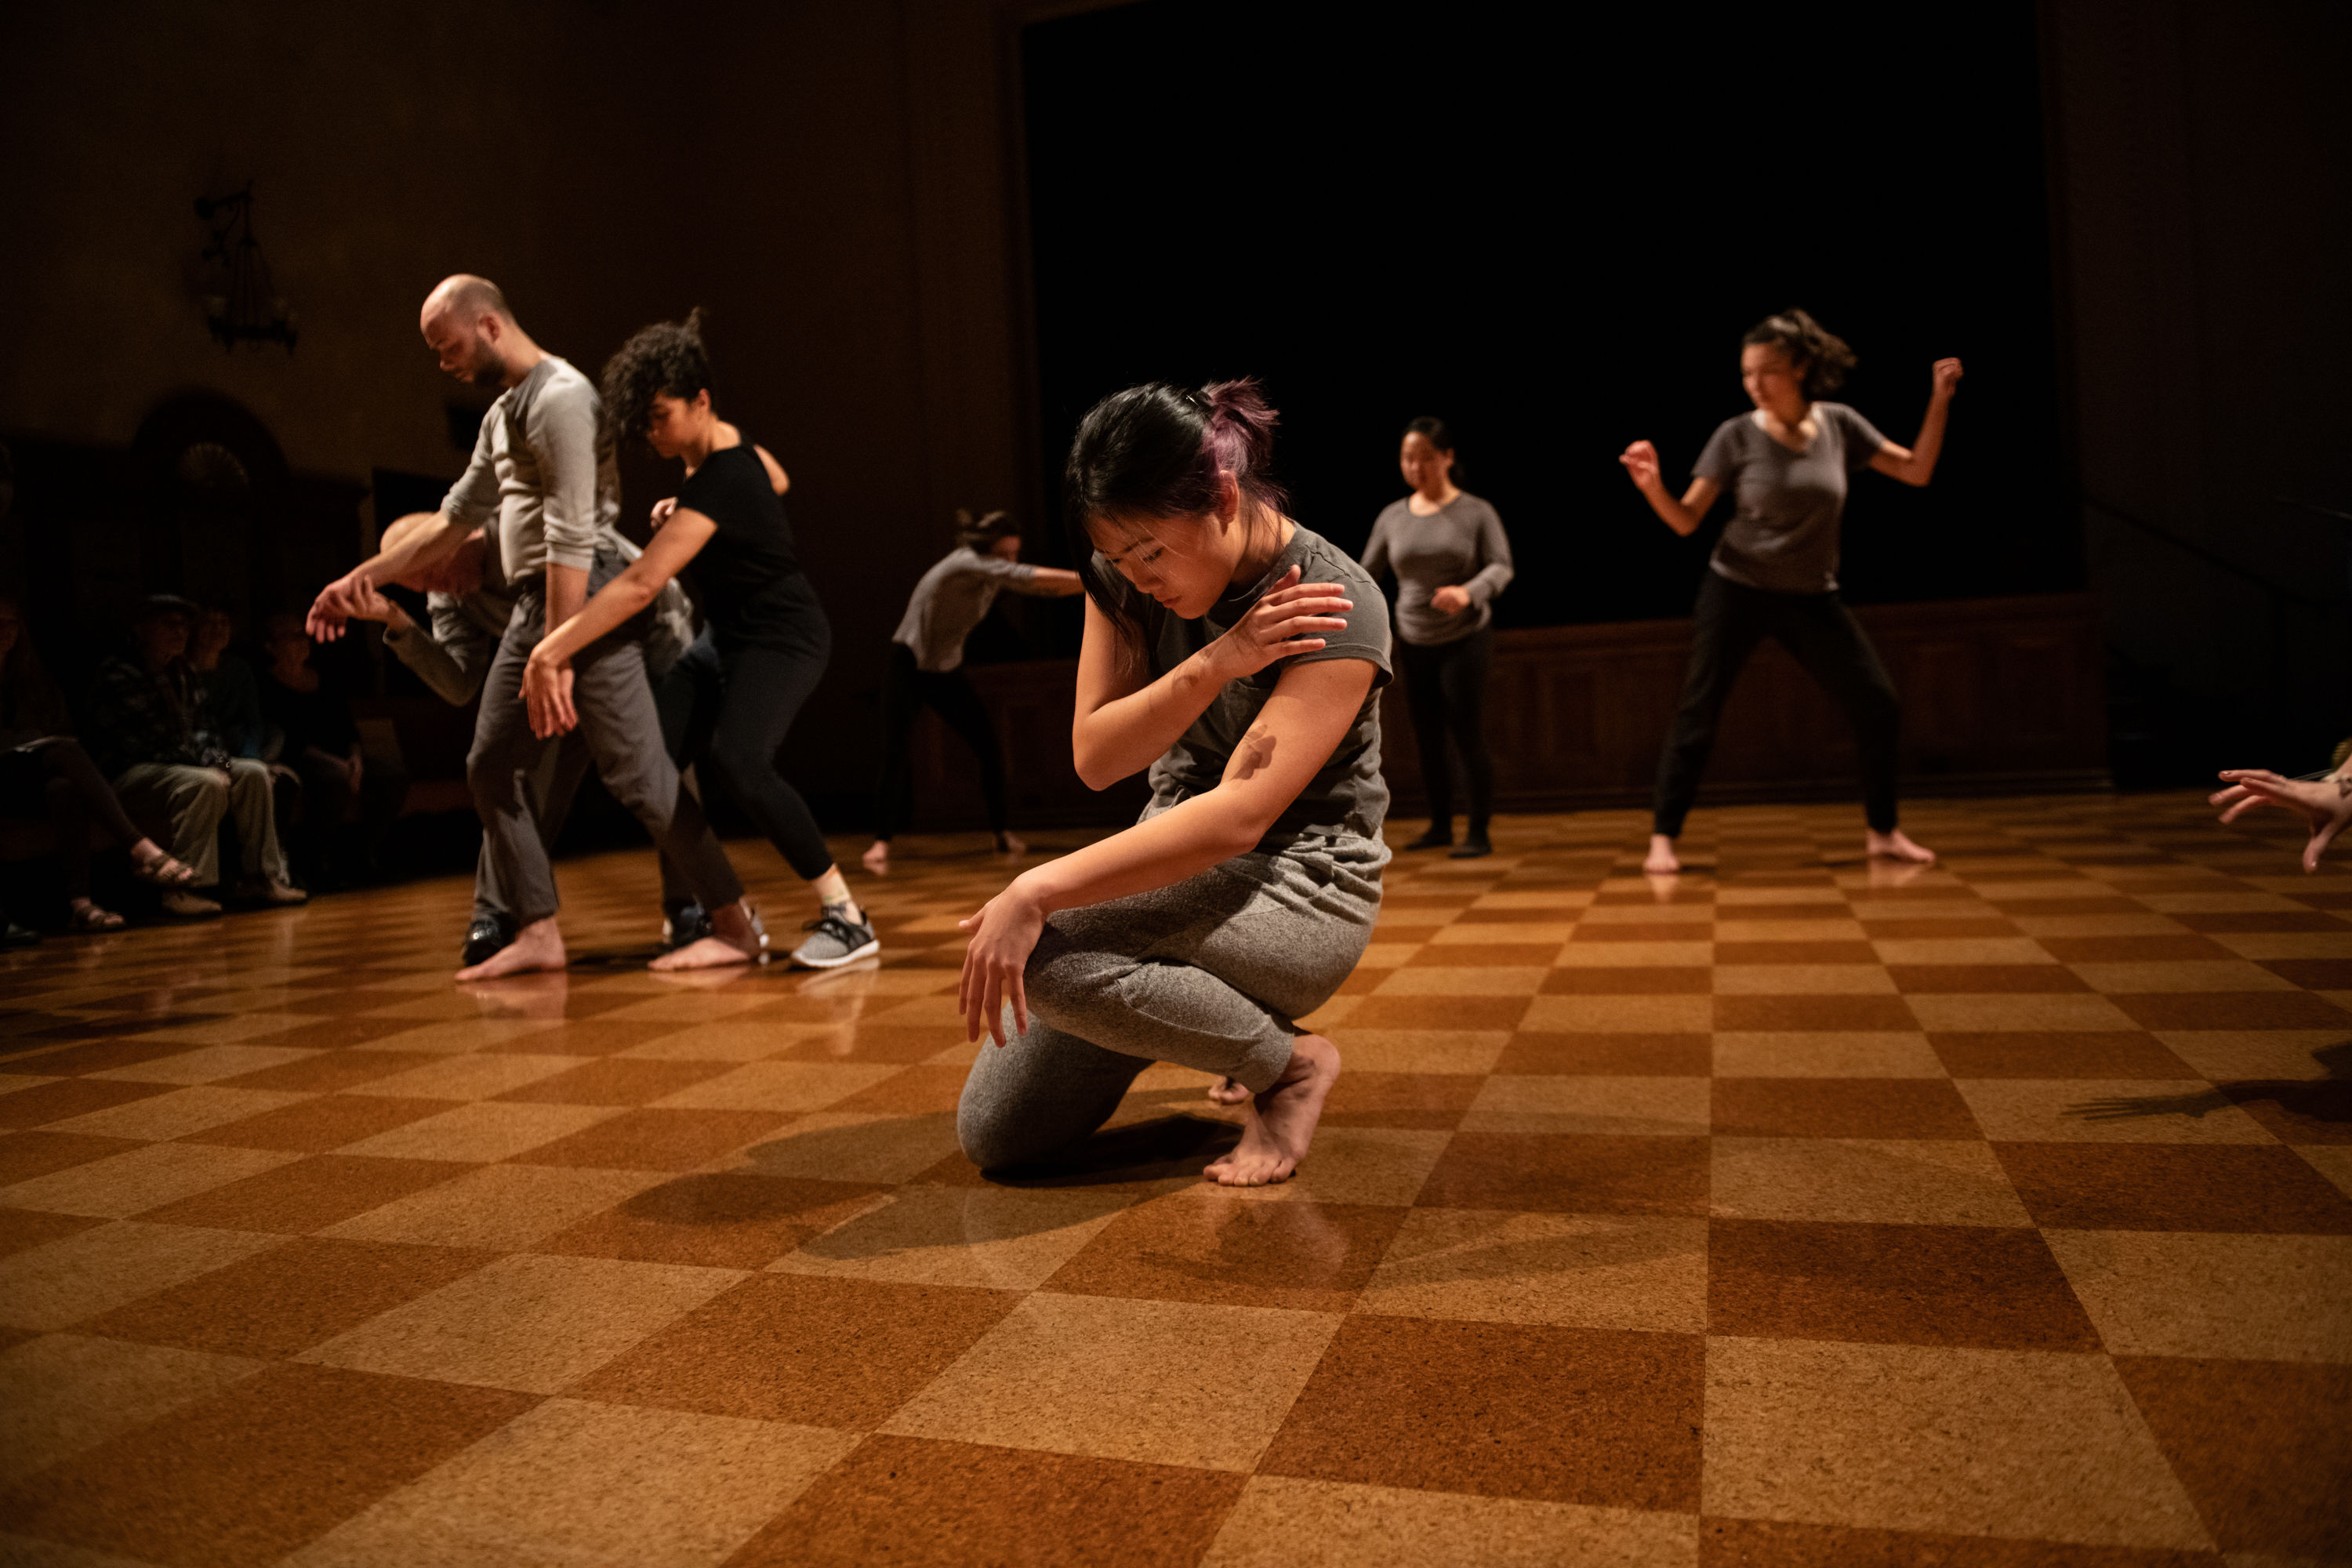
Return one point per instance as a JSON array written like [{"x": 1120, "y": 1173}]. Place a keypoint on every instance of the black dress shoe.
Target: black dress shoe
[
  {"x": 1436, "y": 838},
  {"x": 19, "y": 936},
  {"x": 688, "y": 923},
  {"x": 490, "y": 933},
  {"x": 1473, "y": 848}
]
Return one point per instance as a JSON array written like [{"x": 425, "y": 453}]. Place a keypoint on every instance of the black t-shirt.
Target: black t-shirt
[{"x": 749, "y": 577}]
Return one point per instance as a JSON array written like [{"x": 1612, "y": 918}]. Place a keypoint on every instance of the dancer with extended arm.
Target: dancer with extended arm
[
  {"x": 1774, "y": 572},
  {"x": 1236, "y": 655}
]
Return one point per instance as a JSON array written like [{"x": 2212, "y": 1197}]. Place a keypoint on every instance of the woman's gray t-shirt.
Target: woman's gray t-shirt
[
  {"x": 1347, "y": 796},
  {"x": 1462, "y": 543},
  {"x": 1783, "y": 533}
]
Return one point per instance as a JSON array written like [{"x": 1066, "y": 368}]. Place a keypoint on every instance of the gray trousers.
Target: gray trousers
[
  {"x": 623, "y": 737},
  {"x": 552, "y": 784},
  {"x": 194, "y": 800},
  {"x": 1207, "y": 973}
]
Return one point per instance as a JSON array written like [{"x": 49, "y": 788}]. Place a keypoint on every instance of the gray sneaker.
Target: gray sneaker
[{"x": 835, "y": 939}]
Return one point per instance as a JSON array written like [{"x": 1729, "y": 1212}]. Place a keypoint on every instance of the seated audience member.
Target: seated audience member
[
  {"x": 44, "y": 773},
  {"x": 147, "y": 733},
  {"x": 232, "y": 696},
  {"x": 340, "y": 788},
  {"x": 2324, "y": 804}
]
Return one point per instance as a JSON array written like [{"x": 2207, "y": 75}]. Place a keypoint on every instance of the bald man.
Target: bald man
[{"x": 542, "y": 485}]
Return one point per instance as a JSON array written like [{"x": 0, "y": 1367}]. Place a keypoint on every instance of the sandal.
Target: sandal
[
  {"x": 90, "y": 918},
  {"x": 164, "y": 871}
]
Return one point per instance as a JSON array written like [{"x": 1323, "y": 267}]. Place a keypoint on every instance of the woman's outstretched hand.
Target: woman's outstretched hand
[
  {"x": 1640, "y": 461},
  {"x": 1003, "y": 935},
  {"x": 2324, "y": 804},
  {"x": 1286, "y": 621},
  {"x": 547, "y": 694},
  {"x": 1945, "y": 377}
]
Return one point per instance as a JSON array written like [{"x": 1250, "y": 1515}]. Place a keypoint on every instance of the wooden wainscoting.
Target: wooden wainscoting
[{"x": 1998, "y": 695}]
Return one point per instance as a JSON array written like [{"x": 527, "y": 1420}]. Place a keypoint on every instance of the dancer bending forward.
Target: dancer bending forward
[
  {"x": 1774, "y": 571},
  {"x": 1236, "y": 655}
]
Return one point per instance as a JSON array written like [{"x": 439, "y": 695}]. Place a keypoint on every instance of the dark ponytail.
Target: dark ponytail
[
  {"x": 1818, "y": 353},
  {"x": 1157, "y": 451}
]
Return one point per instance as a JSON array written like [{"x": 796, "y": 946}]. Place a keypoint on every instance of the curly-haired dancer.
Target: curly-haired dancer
[
  {"x": 1774, "y": 572},
  {"x": 727, "y": 702}
]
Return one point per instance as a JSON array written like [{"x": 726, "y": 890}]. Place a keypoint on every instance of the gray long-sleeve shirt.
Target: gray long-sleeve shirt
[
  {"x": 1460, "y": 544},
  {"x": 538, "y": 484},
  {"x": 953, "y": 597}
]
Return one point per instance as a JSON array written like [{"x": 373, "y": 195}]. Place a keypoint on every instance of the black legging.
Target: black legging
[
  {"x": 726, "y": 711},
  {"x": 1445, "y": 688},
  {"x": 1731, "y": 619},
  {"x": 906, "y": 691},
  {"x": 57, "y": 777}
]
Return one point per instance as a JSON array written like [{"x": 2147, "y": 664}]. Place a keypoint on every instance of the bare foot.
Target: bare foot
[
  {"x": 1008, "y": 846},
  {"x": 1280, "y": 1123},
  {"x": 1897, "y": 845},
  {"x": 732, "y": 940},
  {"x": 1662, "y": 860},
  {"x": 1225, "y": 1092},
  {"x": 877, "y": 858},
  {"x": 538, "y": 946}
]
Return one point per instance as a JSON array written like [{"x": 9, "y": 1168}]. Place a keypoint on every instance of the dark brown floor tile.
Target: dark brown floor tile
[
  {"x": 1570, "y": 1173},
  {"x": 1235, "y": 1252},
  {"x": 2232, "y": 1010},
  {"x": 2259, "y": 1445},
  {"x": 2024, "y": 1053},
  {"x": 873, "y": 1043},
  {"x": 1484, "y": 955},
  {"x": 1412, "y": 928},
  {"x": 2244, "y": 924},
  {"x": 1629, "y": 897},
  {"x": 1937, "y": 930},
  {"x": 2313, "y": 973},
  {"x": 1608, "y": 1055},
  {"x": 1940, "y": 979},
  {"x": 2316, "y": 1111},
  {"x": 1636, "y": 981},
  {"x": 717, "y": 1220},
  {"x": 1841, "y": 1108},
  {"x": 334, "y": 1070},
  {"x": 23, "y": 1229},
  {"x": 333, "y": 1034},
  {"x": 1891, "y": 1284},
  {"x": 914, "y": 1092},
  {"x": 1810, "y": 951},
  {"x": 1813, "y": 1013},
  {"x": 1664, "y": 931},
  {"x": 797, "y": 1347},
  {"x": 46, "y": 1102},
  {"x": 2262, "y": 1190},
  {"x": 2322, "y": 900},
  {"x": 308, "y": 1194},
  {"x": 914, "y": 1503},
  {"x": 286, "y": 1300},
  {"x": 246, "y": 1475},
  {"x": 1584, "y": 1415},
  {"x": 1790, "y": 911},
  {"x": 38, "y": 1152},
  {"x": 651, "y": 1138},
  {"x": 1426, "y": 1101},
  {"x": 1763, "y": 1543},
  {"x": 616, "y": 1081},
  {"x": 96, "y": 1056},
  {"x": 1361, "y": 983},
  {"x": 2182, "y": 948},
  {"x": 589, "y": 1037},
  {"x": 1421, "y": 1013},
  {"x": 316, "y": 1126}
]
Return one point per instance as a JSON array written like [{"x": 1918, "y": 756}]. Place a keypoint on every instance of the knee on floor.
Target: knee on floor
[{"x": 994, "y": 1142}]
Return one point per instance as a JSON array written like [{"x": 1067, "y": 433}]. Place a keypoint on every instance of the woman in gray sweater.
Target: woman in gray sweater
[{"x": 1451, "y": 558}]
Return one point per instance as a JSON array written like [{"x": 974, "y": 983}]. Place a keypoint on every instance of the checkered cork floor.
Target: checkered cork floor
[{"x": 1805, "y": 1212}]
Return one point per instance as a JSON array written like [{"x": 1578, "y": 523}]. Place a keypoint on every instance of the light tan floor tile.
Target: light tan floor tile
[
  {"x": 704, "y": 1006},
  {"x": 1465, "y": 982},
  {"x": 64, "y": 1282},
  {"x": 1730, "y": 929},
  {"x": 1388, "y": 954},
  {"x": 2017, "y": 1010},
  {"x": 1635, "y": 955},
  {"x": 1156, "y": 1382},
  {"x": 1562, "y": 899},
  {"x": 485, "y": 1129},
  {"x": 1281, "y": 1522},
  {"x": 2227, "y": 1056},
  {"x": 1421, "y": 1050},
  {"x": 1590, "y": 1271},
  {"x": 213, "y": 1061},
  {"x": 468, "y": 1076},
  {"x": 1472, "y": 932},
  {"x": 2333, "y": 1161},
  {"x": 2095, "y": 1110},
  {"x": 500, "y": 1207},
  {"x": 1657, "y": 1107},
  {"x": 527, "y": 1321},
  {"x": 1356, "y": 1166},
  {"x": 1728, "y": 899},
  {"x": 177, "y": 1113},
  {"x": 1871, "y": 1181},
  {"x": 779, "y": 1086},
  {"x": 1961, "y": 950},
  {"x": 569, "y": 1484},
  {"x": 2014, "y": 1443},
  {"x": 2211, "y": 974},
  {"x": 137, "y": 1180},
  {"x": 2234, "y": 1298},
  {"x": 989, "y": 1237},
  {"x": 11, "y": 1082},
  {"x": 1620, "y": 1015},
  {"x": 63, "y": 1393},
  {"x": 465, "y": 1037},
  {"x": 1834, "y": 1053},
  {"x": 1801, "y": 979},
  {"x": 727, "y": 1042},
  {"x": 841, "y": 1147}
]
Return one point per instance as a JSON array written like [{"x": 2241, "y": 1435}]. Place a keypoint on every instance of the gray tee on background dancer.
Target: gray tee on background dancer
[
  {"x": 1783, "y": 533},
  {"x": 1461, "y": 543},
  {"x": 954, "y": 596}
]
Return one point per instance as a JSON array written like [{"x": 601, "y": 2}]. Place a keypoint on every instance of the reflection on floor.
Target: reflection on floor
[{"x": 1805, "y": 1212}]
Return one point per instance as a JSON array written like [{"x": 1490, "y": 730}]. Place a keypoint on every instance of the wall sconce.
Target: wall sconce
[{"x": 249, "y": 311}]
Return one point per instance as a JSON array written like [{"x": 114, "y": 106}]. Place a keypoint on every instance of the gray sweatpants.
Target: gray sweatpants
[
  {"x": 552, "y": 784},
  {"x": 1207, "y": 973},
  {"x": 625, "y": 739}
]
